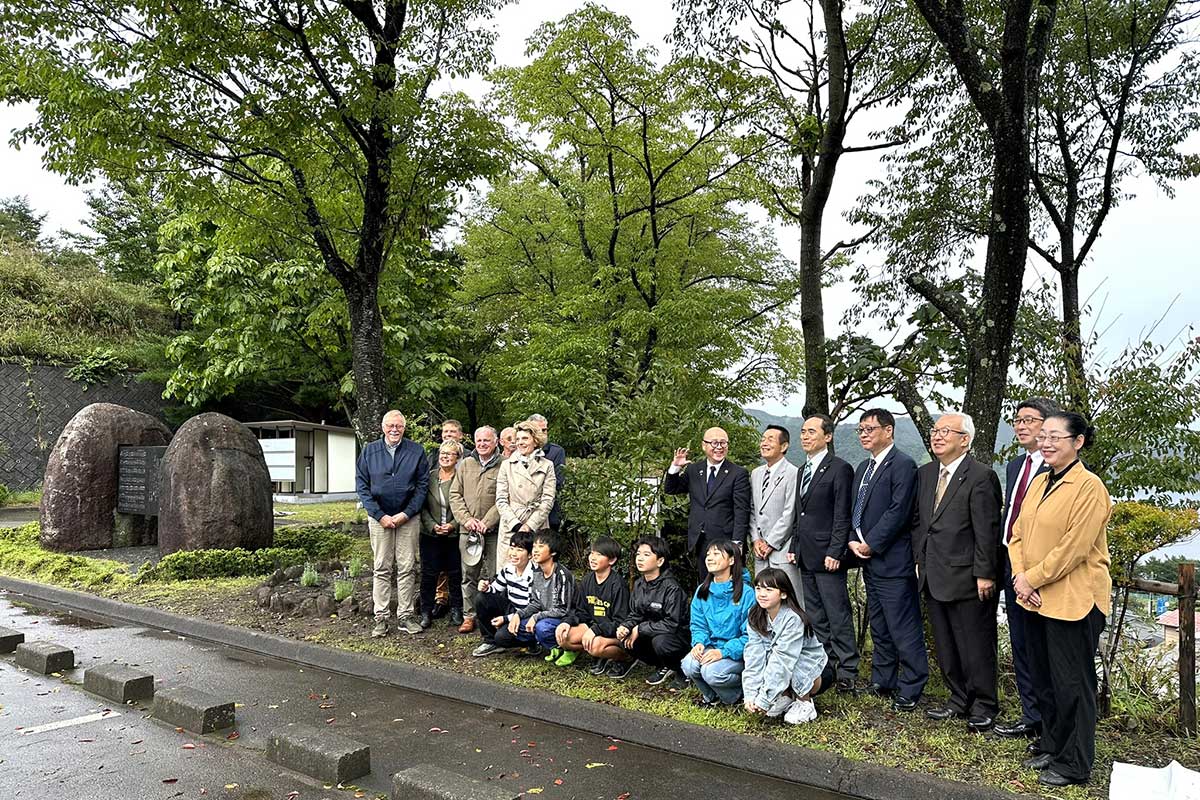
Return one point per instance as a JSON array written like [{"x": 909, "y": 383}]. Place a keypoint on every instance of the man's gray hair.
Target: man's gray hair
[
  {"x": 968, "y": 424},
  {"x": 482, "y": 428},
  {"x": 538, "y": 418},
  {"x": 393, "y": 413}
]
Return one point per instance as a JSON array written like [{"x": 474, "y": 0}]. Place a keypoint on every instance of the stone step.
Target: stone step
[
  {"x": 119, "y": 682},
  {"x": 192, "y": 709},
  {"x": 9, "y": 639},
  {"x": 45, "y": 657},
  {"x": 427, "y": 782},
  {"x": 319, "y": 753}
]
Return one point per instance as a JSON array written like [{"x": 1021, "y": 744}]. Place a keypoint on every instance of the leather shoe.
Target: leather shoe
[
  {"x": 879, "y": 690},
  {"x": 1051, "y": 778},
  {"x": 980, "y": 724},
  {"x": 943, "y": 713},
  {"x": 426, "y": 620},
  {"x": 1034, "y": 747},
  {"x": 904, "y": 704},
  {"x": 467, "y": 625},
  {"x": 1040, "y": 761},
  {"x": 845, "y": 685},
  {"x": 1018, "y": 730}
]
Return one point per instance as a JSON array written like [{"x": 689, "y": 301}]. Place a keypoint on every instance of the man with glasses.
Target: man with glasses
[
  {"x": 880, "y": 522},
  {"x": 772, "y": 503},
  {"x": 392, "y": 479},
  {"x": 955, "y": 526},
  {"x": 718, "y": 493},
  {"x": 1027, "y": 422}
]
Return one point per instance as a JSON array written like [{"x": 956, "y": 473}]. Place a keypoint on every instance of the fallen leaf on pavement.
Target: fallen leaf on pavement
[
  {"x": 330, "y": 720},
  {"x": 623, "y": 796},
  {"x": 170, "y": 780},
  {"x": 558, "y": 781},
  {"x": 233, "y": 736},
  {"x": 613, "y": 747},
  {"x": 189, "y": 746},
  {"x": 537, "y": 790},
  {"x": 437, "y": 730},
  {"x": 594, "y": 764}
]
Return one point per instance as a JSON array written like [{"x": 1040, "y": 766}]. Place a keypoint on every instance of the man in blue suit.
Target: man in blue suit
[
  {"x": 880, "y": 522},
  {"x": 392, "y": 478},
  {"x": 1027, "y": 421}
]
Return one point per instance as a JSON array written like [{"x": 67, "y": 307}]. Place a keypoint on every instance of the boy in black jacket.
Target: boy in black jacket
[
  {"x": 550, "y": 597},
  {"x": 656, "y": 629},
  {"x": 601, "y": 601}
]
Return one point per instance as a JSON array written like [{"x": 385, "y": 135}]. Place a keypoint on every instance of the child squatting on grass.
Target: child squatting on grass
[
  {"x": 550, "y": 597},
  {"x": 505, "y": 595},
  {"x": 602, "y": 600},
  {"x": 786, "y": 666},
  {"x": 655, "y": 630},
  {"x": 719, "y": 612}
]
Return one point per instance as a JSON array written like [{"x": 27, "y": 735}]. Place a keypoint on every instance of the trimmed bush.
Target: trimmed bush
[
  {"x": 186, "y": 565},
  {"x": 321, "y": 543}
]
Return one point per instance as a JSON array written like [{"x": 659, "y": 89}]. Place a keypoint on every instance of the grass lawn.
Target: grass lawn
[
  {"x": 335, "y": 513},
  {"x": 858, "y": 727}
]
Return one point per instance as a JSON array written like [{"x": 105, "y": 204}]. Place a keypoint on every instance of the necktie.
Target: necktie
[
  {"x": 766, "y": 480},
  {"x": 806, "y": 479},
  {"x": 1018, "y": 498},
  {"x": 712, "y": 478},
  {"x": 943, "y": 479},
  {"x": 861, "y": 500}
]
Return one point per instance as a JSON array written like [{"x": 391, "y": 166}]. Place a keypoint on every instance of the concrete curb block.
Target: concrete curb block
[
  {"x": 427, "y": 782},
  {"x": 815, "y": 768},
  {"x": 9, "y": 639},
  {"x": 320, "y": 754},
  {"x": 192, "y": 710},
  {"x": 118, "y": 682},
  {"x": 45, "y": 657}
]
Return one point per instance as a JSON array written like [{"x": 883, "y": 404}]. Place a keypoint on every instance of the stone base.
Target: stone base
[
  {"x": 9, "y": 639},
  {"x": 319, "y": 753},
  {"x": 192, "y": 710},
  {"x": 119, "y": 683},
  {"x": 427, "y": 782},
  {"x": 45, "y": 657}
]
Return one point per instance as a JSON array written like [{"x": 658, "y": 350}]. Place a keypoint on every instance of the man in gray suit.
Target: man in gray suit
[{"x": 772, "y": 502}]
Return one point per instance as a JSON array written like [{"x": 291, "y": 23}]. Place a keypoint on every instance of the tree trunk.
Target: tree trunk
[
  {"x": 1077, "y": 392},
  {"x": 812, "y": 317},
  {"x": 366, "y": 338}
]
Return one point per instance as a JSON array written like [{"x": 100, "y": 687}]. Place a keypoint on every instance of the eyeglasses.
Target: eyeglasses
[
  {"x": 1053, "y": 438},
  {"x": 940, "y": 432},
  {"x": 393, "y": 427},
  {"x": 1027, "y": 420},
  {"x": 716, "y": 444},
  {"x": 866, "y": 430}
]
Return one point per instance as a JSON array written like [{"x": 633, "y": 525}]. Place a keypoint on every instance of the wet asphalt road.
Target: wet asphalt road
[{"x": 125, "y": 755}]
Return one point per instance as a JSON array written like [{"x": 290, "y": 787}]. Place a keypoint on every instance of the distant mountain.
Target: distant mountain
[{"x": 845, "y": 440}]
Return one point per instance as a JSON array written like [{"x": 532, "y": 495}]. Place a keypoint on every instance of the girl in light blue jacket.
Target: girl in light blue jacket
[
  {"x": 786, "y": 666},
  {"x": 718, "y": 612}
]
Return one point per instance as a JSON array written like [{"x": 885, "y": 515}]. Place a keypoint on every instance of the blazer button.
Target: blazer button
[{"x": 802, "y": 513}]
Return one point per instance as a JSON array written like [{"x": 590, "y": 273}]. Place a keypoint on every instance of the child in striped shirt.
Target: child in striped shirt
[{"x": 504, "y": 594}]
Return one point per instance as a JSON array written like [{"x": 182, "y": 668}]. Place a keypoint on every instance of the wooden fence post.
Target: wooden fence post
[{"x": 1187, "y": 648}]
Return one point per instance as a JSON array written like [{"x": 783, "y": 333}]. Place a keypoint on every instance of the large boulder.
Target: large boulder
[
  {"x": 216, "y": 491},
  {"x": 79, "y": 491}
]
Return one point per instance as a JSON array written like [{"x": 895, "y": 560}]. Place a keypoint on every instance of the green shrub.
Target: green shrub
[
  {"x": 342, "y": 589},
  {"x": 23, "y": 557},
  {"x": 309, "y": 577},
  {"x": 358, "y": 566},
  {"x": 321, "y": 543},
  {"x": 192, "y": 564}
]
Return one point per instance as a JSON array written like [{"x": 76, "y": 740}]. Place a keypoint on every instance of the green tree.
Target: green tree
[
  {"x": 319, "y": 120},
  {"x": 19, "y": 222},
  {"x": 124, "y": 219}
]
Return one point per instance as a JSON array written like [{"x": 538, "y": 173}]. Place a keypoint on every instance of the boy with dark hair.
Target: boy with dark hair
[
  {"x": 550, "y": 596},
  {"x": 504, "y": 594},
  {"x": 656, "y": 629},
  {"x": 601, "y": 601}
]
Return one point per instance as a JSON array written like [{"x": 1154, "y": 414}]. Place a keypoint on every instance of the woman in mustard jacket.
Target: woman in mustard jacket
[{"x": 1060, "y": 558}]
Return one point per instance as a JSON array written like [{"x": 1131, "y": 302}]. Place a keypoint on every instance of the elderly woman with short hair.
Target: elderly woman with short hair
[
  {"x": 439, "y": 537},
  {"x": 525, "y": 488}
]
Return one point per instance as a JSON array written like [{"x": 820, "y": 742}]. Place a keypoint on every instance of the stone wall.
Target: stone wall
[{"x": 37, "y": 401}]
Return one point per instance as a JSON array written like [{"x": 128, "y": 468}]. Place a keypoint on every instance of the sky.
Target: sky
[{"x": 1144, "y": 266}]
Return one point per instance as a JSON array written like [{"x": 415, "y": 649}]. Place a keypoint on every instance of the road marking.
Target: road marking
[{"x": 67, "y": 723}]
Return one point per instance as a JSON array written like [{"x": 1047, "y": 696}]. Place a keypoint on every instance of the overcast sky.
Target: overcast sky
[{"x": 1148, "y": 258}]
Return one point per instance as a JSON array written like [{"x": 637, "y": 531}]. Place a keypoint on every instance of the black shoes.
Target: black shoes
[
  {"x": 1019, "y": 730},
  {"x": 600, "y": 666},
  {"x": 978, "y": 723},
  {"x": 1040, "y": 761},
  {"x": 660, "y": 676},
  {"x": 426, "y": 620},
  {"x": 845, "y": 685},
  {"x": 621, "y": 669},
  {"x": 944, "y": 713},
  {"x": 456, "y": 617},
  {"x": 1034, "y": 747},
  {"x": 904, "y": 704},
  {"x": 880, "y": 690},
  {"x": 1051, "y": 778}
]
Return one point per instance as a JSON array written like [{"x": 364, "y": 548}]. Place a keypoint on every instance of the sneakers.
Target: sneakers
[
  {"x": 555, "y": 652},
  {"x": 380, "y": 630},
  {"x": 534, "y": 649},
  {"x": 621, "y": 669},
  {"x": 566, "y": 659},
  {"x": 660, "y": 676},
  {"x": 409, "y": 625},
  {"x": 800, "y": 712},
  {"x": 600, "y": 667},
  {"x": 486, "y": 649}
]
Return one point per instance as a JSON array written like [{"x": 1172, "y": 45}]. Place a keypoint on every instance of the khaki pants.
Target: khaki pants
[
  {"x": 394, "y": 552},
  {"x": 473, "y": 574}
]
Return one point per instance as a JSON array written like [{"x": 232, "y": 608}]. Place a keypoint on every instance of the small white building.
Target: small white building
[
  {"x": 308, "y": 462},
  {"x": 1170, "y": 627}
]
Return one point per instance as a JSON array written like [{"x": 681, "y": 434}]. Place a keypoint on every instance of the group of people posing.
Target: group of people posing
[{"x": 945, "y": 533}]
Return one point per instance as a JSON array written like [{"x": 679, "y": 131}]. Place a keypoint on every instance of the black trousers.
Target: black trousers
[
  {"x": 964, "y": 636},
  {"x": 1017, "y": 621},
  {"x": 440, "y": 554},
  {"x": 659, "y": 651},
  {"x": 1063, "y": 656},
  {"x": 827, "y": 602},
  {"x": 489, "y": 605}
]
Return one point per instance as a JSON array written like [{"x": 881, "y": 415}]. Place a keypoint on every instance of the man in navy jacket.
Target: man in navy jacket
[
  {"x": 392, "y": 478},
  {"x": 719, "y": 493},
  {"x": 880, "y": 537}
]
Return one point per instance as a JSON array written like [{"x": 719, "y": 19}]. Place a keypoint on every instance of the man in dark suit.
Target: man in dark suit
[
  {"x": 820, "y": 532},
  {"x": 558, "y": 457},
  {"x": 1027, "y": 422},
  {"x": 956, "y": 523},
  {"x": 719, "y": 495},
  {"x": 880, "y": 521}
]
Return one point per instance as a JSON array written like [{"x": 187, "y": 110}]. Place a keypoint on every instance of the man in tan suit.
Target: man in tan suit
[{"x": 473, "y": 501}]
